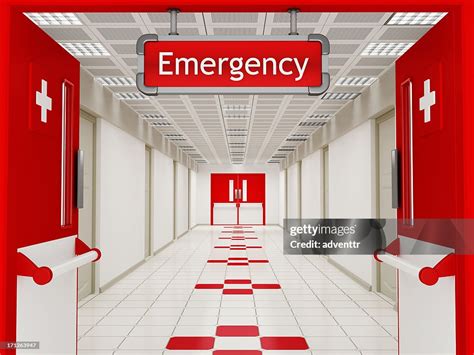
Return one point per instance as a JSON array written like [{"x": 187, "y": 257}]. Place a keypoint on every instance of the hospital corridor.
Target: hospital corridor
[{"x": 252, "y": 178}]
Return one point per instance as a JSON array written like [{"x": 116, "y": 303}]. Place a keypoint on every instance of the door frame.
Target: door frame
[
  {"x": 95, "y": 232},
  {"x": 151, "y": 202},
  {"x": 378, "y": 120}
]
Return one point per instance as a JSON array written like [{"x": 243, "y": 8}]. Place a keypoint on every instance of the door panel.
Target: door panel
[
  {"x": 42, "y": 213},
  {"x": 427, "y": 138},
  {"x": 45, "y": 121},
  {"x": 253, "y": 192}
]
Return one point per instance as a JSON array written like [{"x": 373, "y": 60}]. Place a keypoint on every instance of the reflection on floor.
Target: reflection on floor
[{"x": 221, "y": 290}]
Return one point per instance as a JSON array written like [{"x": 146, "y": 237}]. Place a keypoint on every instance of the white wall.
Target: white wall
[
  {"x": 163, "y": 200},
  {"x": 312, "y": 186},
  {"x": 282, "y": 200},
  {"x": 294, "y": 191},
  {"x": 352, "y": 187},
  {"x": 181, "y": 195},
  {"x": 121, "y": 202},
  {"x": 203, "y": 193},
  {"x": 192, "y": 198}
]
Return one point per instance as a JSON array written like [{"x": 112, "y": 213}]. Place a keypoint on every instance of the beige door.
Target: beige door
[
  {"x": 148, "y": 251},
  {"x": 387, "y": 283},
  {"x": 86, "y": 214}
]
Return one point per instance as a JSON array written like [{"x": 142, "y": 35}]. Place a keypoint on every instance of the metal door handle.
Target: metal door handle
[
  {"x": 395, "y": 179},
  {"x": 80, "y": 179}
]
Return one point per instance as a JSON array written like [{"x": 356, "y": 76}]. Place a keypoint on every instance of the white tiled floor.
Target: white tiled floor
[{"x": 139, "y": 314}]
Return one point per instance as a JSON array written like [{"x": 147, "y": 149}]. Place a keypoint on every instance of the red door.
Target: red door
[
  {"x": 43, "y": 141},
  {"x": 232, "y": 193},
  {"x": 428, "y": 139},
  {"x": 253, "y": 192}
]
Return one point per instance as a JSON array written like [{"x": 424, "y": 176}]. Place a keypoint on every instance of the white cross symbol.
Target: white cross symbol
[
  {"x": 44, "y": 101},
  {"x": 427, "y": 100}
]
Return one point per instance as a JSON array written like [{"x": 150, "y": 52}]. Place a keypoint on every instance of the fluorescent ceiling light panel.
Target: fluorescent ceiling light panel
[
  {"x": 54, "y": 18},
  {"x": 85, "y": 49},
  {"x": 320, "y": 116},
  {"x": 160, "y": 124},
  {"x": 116, "y": 81},
  {"x": 131, "y": 96},
  {"x": 340, "y": 95},
  {"x": 152, "y": 116},
  {"x": 415, "y": 18},
  {"x": 356, "y": 81},
  {"x": 386, "y": 49}
]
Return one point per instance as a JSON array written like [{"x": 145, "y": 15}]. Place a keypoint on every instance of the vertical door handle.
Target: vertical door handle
[
  {"x": 395, "y": 179},
  {"x": 80, "y": 179}
]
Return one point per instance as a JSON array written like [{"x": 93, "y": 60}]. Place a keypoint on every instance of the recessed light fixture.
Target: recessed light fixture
[
  {"x": 356, "y": 81},
  {"x": 160, "y": 124},
  {"x": 85, "y": 49},
  {"x": 320, "y": 116},
  {"x": 386, "y": 49},
  {"x": 152, "y": 116},
  {"x": 297, "y": 139},
  {"x": 54, "y": 18},
  {"x": 415, "y": 18},
  {"x": 300, "y": 135},
  {"x": 340, "y": 95},
  {"x": 131, "y": 96},
  {"x": 116, "y": 81},
  {"x": 312, "y": 123}
]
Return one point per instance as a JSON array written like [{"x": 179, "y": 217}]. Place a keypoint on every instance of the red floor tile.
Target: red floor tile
[
  {"x": 237, "y": 331},
  {"x": 254, "y": 247},
  {"x": 237, "y": 258},
  {"x": 237, "y": 248},
  {"x": 209, "y": 286},
  {"x": 258, "y": 261},
  {"x": 237, "y": 245},
  {"x": 237, "y": 291},
  {"x": 236, "y": 352},
  {"x": 217, "y": 261},
  {"x": 283, "y": 343},
  {"x": 190, "y": 343},
  {"x": 237, "y": 282},
  {"x": 225, "y": 238},
  {"x": 266, "y": 286},
  {"x": 221, "y": 246},
  {"x": 237, "y": 264}
]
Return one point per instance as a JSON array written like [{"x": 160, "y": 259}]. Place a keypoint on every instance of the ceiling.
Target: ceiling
[{"x": 224, "y": 129}]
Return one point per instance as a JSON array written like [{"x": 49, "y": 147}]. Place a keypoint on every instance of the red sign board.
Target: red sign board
[{"x": 287, "y": 65}]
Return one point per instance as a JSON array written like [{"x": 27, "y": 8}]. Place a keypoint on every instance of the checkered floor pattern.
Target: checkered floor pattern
[{"x": 230, "y": 290}]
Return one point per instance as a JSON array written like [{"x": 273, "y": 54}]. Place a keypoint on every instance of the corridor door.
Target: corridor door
[
  {"x": 428, "y": 139},
  {"x": 42, "y": 213},
  {"x": 237, "y": 198}
]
